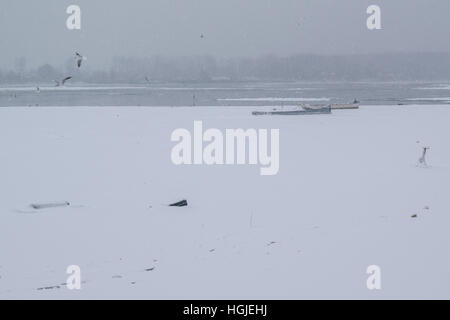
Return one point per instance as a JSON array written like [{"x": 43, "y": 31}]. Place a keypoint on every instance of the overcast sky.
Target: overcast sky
[{"x": 37, "y": 29}]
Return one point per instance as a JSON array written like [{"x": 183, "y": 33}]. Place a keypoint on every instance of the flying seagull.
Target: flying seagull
[
  {"x": 80, "y": 59},
  {"x": 58, "y": 84}
]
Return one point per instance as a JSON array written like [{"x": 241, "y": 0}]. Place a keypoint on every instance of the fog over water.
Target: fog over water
[
  {"x": 36, "y": 30},
  {"x": 203, "y": 52}
]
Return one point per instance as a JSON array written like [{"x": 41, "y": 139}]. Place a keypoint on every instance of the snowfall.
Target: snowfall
[{"x": 348, "y": 195}]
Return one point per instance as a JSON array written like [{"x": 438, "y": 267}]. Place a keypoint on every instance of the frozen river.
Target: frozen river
[{"x": 224, "y": 94}]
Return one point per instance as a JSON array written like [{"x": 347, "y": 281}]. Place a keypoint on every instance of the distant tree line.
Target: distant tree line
[{"x": 381, "y": 67}]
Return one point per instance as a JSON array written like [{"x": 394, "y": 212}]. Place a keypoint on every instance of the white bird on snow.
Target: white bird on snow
[{"x": 422, "y": 160}]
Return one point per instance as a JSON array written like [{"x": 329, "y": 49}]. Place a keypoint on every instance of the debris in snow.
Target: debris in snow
[
  {"x": 271, "y": 243},
  {"x": 38, "y": 206},
  {"x": 182, "y": 203},
  {"x": 150, "y": 269},
  {"x": 117, "y": 276},
  {"x": 212, "y": 250},
  {"x": 49, "y": 288},
  {"x": 426, "y": 208},
  {"x": 414, "y": 216}
]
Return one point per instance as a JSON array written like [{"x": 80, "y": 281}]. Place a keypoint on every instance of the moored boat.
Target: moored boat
[
  {"x": 354, "y": 105},
  {"x": 321, "y": 110},
  {"x": 334, "y": 106}
]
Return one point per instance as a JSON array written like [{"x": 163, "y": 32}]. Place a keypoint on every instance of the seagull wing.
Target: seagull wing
[{"x": 65, "y": 79}]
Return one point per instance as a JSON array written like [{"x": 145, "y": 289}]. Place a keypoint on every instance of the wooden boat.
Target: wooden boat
[
  {"x": 334, "y": 106},
  {"x": 322, "y": 110},
  {"x": 354, "y": 105}
]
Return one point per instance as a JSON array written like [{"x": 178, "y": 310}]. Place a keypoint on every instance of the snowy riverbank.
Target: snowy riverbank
[{"x": 342, "y": 200}]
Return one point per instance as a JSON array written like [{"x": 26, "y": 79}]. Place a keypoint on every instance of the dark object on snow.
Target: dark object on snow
[
  {"x": 182, "y": 203},
  {"x": 422, "y": 160},
  {"x": 49, "y": 288},
  {"x": 150, "y": 269},
  {"x": 414, "y": 216},
  {"x": 38, "y": 206}
]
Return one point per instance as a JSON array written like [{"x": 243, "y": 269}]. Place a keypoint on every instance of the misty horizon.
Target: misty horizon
[
  {"x": 300, "y": 67},
  {"x": 221, "y": 29}
]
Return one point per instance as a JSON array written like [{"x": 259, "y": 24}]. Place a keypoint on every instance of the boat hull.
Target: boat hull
[
  {"x": 334, "y": 106},
  {"x": 326, "y": 110},
  {"x": 345, "y": 106}
]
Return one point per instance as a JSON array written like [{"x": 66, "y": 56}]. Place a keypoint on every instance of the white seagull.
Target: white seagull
[
  {"x": 58, "y": 84},
  {"x": 80, "y": 59}
]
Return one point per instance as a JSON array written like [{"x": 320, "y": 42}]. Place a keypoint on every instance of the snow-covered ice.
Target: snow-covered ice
[{"x": 343, "y": 200}]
